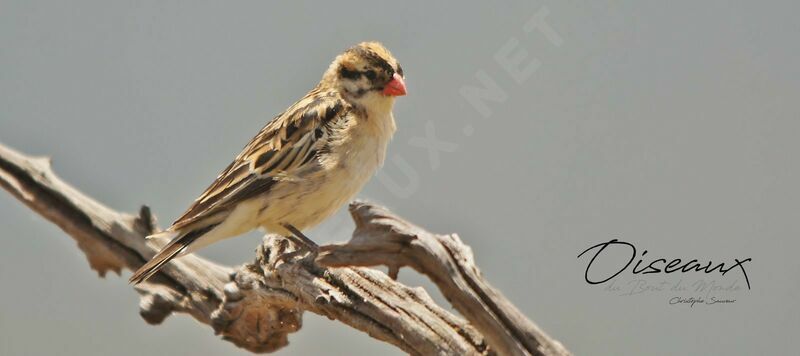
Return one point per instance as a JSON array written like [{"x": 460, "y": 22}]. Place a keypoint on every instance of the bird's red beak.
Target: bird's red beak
[{"x": 395, "y": 87}]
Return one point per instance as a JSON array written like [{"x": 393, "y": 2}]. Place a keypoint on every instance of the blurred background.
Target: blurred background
[{"x": 673, "y": 126}]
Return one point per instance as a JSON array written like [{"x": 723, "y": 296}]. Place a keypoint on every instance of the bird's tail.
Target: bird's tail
[{"x": 179, "y": 243}]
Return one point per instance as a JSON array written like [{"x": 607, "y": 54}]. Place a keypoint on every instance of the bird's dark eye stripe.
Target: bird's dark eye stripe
[
  {"x": 399, "y": 70},
  {"x": 354, "y": 74},
  {"x": 349, "y": 74}
]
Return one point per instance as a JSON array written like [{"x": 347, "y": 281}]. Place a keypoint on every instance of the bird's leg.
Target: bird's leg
[{"x": 302, "y": 241}]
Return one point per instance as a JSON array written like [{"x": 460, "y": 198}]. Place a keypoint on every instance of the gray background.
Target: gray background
[{"x": 670, "y": 125}]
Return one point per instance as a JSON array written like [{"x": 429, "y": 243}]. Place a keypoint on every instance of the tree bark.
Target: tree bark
[
  {"x": 382, "y": 238},
  {"x": 257, "y": 305}
]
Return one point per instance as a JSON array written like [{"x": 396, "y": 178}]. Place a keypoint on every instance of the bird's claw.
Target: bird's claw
[
  {"x": 310, "y": 253},
  {"x": 302, "y": 242}
]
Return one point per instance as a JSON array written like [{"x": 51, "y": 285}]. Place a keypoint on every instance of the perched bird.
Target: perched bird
[{"x": 303, "y": 165}]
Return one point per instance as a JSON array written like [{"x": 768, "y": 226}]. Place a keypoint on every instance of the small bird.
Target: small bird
[{"x": 303, "y": 165}]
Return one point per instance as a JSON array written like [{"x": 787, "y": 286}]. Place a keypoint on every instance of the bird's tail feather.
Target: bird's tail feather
[{"x": 175, "y": 246}]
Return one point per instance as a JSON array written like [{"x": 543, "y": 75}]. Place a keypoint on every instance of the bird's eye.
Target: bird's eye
[
  {"x": 349, "y": 74},
  {"x": 370, "y": 75}
]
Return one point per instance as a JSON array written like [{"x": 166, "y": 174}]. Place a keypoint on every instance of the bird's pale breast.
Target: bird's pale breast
[{"x": 311, "y": 197}]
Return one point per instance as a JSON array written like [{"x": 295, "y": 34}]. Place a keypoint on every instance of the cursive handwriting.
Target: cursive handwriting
[
  {"x": 659, "y": 265},
  {"x": 692, "y": 301}
]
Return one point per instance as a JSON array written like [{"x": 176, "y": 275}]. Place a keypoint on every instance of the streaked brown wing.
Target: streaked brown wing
[{"x": 288, "y": 142}]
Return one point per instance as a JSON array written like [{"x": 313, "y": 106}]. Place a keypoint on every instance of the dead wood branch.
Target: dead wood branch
[
  {"x": 382, "y": 238},
  {"x": 257, "y": 305}
]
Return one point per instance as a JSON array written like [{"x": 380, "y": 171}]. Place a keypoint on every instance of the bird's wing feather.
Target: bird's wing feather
[{"x": 289, "y": 142}]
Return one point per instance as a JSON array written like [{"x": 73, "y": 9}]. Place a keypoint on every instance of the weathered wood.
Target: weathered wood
[
  {"x": 259, "y": 304},
  {"x": 382, "y": 238}
]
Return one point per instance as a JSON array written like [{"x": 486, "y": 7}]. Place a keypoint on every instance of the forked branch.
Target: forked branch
[{"x": 257, "y": 305}]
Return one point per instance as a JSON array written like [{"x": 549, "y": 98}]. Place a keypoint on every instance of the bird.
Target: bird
[{"x": 302, "y": 165}]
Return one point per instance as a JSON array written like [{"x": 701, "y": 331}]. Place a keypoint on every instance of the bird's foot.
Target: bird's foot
[
  {"x": 303, "y": 243},
  {"x": 310, "y": 254},
  {"x": 300, "y": 238}
]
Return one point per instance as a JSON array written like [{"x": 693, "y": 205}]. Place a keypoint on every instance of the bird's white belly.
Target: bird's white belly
[
  {"x": 307, "y": 202},
  {"x": 309, "y": 199}
]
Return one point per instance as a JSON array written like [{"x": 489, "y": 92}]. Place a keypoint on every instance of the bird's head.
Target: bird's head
[{"x": 365, "y": 74}]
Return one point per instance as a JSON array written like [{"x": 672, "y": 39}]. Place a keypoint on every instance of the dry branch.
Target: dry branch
[
  {"x": 382, "y": 238},
  {"x": 257, "y": 305}
]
